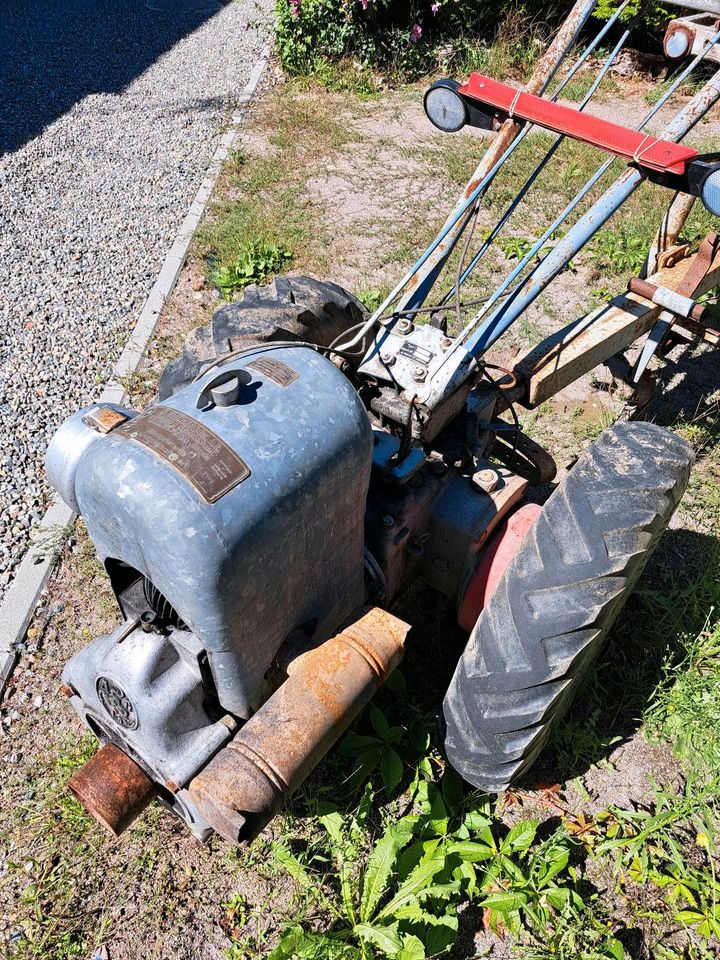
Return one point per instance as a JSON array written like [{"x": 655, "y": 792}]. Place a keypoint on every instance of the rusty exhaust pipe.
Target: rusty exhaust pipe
[
  {"x": 242, "y": 787},
  {"x": 112, "y": 788}
]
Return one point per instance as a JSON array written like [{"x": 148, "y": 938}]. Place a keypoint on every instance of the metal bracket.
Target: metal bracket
[
  {"x": 386, "y": 448},
  {"x": 698, "y": 31},
  {"x": 673, "y": 254},
  {"x": 671, "y": 300},
  {"x": 526, "y": 457},
  {"x": 677, "y": 303}
]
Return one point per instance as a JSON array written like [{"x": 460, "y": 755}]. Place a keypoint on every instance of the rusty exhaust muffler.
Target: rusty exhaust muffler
[{"x": 241, "y": 788}]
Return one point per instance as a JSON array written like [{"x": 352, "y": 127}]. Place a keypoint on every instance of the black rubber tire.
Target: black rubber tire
[
  {"x": 533, "y": 644},
  {"x": 289, "y": 308}
]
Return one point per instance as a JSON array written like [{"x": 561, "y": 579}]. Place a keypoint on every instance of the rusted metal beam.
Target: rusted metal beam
[
  {"x": 543, "y": 73},
  {"x": 672, "y": 223},
  {"x": 244, "y": 785}
]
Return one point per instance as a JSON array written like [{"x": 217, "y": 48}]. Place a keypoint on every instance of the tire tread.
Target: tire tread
[
  {"x": 289, "y": 308},
  {"x": 534, "y": 642}
]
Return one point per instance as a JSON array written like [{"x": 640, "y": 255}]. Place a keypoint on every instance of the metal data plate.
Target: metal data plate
[
  {"x": 419, "y": 362},
  {"x": 198, "y": 454},
  {"x": 422, "y": 346},
  {"x": 275, "y": 370}
]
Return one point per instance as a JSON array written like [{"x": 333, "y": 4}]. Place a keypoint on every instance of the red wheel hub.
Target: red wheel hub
[{"x": 500, "y": 550}]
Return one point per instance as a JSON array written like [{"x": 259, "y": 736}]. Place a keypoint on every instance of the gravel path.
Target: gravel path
[{"x": 109, "y": 115}]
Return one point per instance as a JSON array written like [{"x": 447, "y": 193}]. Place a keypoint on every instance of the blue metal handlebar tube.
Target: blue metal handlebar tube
[{"x": 498, "y": 322}]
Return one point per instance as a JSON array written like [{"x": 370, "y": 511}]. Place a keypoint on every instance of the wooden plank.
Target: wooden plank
[
  {"x": 584, "y": 344},
  {"x": 696, "y": 331}
]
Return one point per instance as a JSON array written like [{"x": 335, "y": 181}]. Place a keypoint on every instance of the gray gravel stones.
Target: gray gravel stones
[{"x": 109, "y": 115}]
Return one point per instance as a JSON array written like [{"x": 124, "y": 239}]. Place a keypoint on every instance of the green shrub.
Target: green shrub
[
  {"x": 411, "y": 38},
  {"x": 403, "y": 38},
  {"x": 653, "y": 14},
  {"x": 256, "y": 261},
  {"x": 312, "y": 32}
]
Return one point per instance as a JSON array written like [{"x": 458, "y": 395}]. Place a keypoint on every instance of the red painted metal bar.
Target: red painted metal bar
[{"x": 646, "y": 150}]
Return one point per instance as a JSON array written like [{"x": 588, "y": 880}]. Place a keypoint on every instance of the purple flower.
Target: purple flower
[
  {"x": 364, "y": 4},
  {"x": 435, "y": 7},
  {"x": 295, "y": 7},
  {"x": 415, "y": 33}
]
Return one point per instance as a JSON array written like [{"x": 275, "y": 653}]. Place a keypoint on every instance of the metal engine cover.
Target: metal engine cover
[{"x": 242, "y": 499}]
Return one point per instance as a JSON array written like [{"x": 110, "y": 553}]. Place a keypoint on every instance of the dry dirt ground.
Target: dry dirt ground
[{"x": 365, "y": 182}]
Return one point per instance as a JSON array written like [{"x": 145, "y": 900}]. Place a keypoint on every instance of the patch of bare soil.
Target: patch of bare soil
[
  {"x": 192, "y": 302},
  {"x": 383, "y": 193},
  {"x": 626, "y": 778}
]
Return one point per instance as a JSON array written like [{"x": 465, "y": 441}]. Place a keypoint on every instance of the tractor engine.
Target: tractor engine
[{"x": 192, "y": 506}]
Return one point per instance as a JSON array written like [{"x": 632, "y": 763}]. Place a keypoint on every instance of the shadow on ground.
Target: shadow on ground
[
  {"x": 643, "y": 646},
  {"x": 688, "y": 377},
  {"x": 640, "y": 650},
  {"x": 52, "y": 54},
  {"x": 609, "y": 707}
]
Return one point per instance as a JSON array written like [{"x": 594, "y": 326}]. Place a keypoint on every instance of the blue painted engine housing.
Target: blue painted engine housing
[{"x": 282, "y": 547}]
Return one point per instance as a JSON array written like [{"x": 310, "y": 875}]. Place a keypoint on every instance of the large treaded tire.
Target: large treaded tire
[
  {"x": 289, "y": 308},
  {"x": 556, "y": 601}
]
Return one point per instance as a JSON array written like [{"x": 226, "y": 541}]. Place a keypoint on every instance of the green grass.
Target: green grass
[
  {"x": 344, "y": 76},
  {"x": 380, "y": 881},
  {"x": 261, "y": 220},
  {"x": 383, "y": 816},
  {"x": 577, "y": 88},
  {"x": 689, "y": 88},
  {"x": 617, "y": 251},
  {"x": 659, "y": 674},
  {"x": 51, "y": 896},
  {"x": 588, "y": 425},
  {"x": 684, "y": 707},
  {"x": 661, "y": 670},
  {"x": 388, "y": 885},
  {"x": 387, "y": 787},
  {"x": 373, "y": 297},
  {"x": 255, "y": 261},
  {"x": 516, "y": 47}
]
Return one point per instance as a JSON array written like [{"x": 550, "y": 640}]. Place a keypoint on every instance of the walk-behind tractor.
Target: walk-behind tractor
[{"x": 305, "y": 463}]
